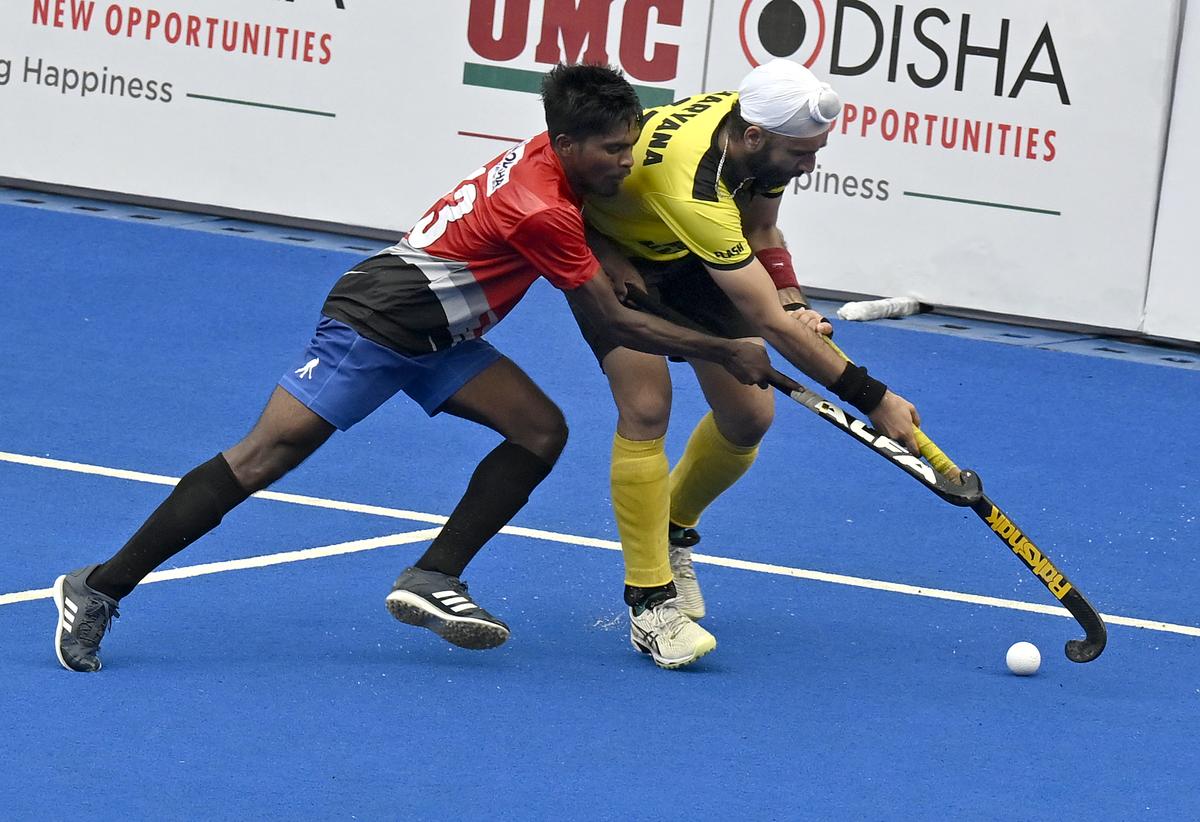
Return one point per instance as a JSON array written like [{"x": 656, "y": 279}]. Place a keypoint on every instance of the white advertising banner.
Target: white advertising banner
[
  {"x": 346, "y": 111},
  {"x": 319, "y": 109},
  {"x": 998, "y": 155},
  {"x": 1174, "y": 296}
]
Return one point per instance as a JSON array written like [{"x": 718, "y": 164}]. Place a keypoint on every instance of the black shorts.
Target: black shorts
[{"x": 685, "y": 286}]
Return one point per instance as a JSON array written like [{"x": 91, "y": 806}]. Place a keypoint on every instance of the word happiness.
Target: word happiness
[
  {"x": 128, "y": 21},
  {"x": 86, "y": 82}
]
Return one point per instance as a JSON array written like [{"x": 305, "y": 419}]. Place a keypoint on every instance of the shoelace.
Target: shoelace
[
  {"x": 98, "y": 616},
  {"x": 681, "y": 561},
  {"x": 668, "y": 620}
]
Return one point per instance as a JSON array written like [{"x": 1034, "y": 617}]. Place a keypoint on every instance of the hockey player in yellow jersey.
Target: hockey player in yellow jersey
[{"x": 694, "y": 224}]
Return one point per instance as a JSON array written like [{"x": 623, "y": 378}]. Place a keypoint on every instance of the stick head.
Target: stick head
[
  {"x": 1085, "y": 650},
  {"x": 1091, "y": 646}
]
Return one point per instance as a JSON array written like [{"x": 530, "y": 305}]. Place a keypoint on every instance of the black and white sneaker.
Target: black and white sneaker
[
  {"x": 659, "y": 628},
  {"x": 441, "y": 604},
  {"x": 680, "y": 541},
  {"x": 84, "y": 615}
]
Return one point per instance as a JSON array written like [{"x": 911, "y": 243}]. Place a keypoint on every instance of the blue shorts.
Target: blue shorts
[{"x": 343, "y": 376}]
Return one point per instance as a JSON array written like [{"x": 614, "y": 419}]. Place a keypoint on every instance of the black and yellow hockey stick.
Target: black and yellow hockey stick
[
  {"x": 1018, "y": 541},
  {"x": 939, "y": 474}
]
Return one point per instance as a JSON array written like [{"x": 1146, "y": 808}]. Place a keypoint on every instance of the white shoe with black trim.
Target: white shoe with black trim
[
  {"x": 679, "y": 549},
  {"x": 441, "y": 604},
  {"x": 671, "y": 639}
]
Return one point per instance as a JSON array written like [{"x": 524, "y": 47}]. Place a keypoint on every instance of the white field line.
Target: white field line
[
  {"x": 256, "y": 562},
  {"x": 532, "y": 533}
]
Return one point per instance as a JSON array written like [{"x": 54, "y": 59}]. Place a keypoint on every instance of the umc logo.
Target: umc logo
[
  {"x": 577, "y": 31},
  {"x": 923, "y": 45}
]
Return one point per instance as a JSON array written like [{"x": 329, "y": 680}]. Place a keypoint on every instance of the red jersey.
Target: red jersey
[{"x": 468, "y": 261}]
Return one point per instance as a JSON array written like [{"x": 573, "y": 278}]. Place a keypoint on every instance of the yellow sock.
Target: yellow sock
[
  {"x": 641, "y": 502},
  {"x": 709, "y": 465}
]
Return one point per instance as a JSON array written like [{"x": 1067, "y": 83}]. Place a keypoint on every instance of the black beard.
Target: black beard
[{"x": 763, "y": 176}]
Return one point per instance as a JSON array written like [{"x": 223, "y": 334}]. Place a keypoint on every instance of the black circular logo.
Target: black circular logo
[{"x": 793, "y": 29}]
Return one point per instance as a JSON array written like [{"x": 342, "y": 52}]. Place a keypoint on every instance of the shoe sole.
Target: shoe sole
[
  {"x": 670, "y": 664},
  {"x": 465, "y": 632},
  {"x": 59, "y": 602}
]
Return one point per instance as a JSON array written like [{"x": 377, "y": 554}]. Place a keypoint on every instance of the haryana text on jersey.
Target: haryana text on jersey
[{"x": 673, "y": 203}]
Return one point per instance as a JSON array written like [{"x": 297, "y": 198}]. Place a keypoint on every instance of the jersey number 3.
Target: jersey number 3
[{"x": 433, "y": 225}]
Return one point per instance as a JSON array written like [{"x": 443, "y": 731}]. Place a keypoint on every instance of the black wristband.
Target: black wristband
[
  {"x": 859, "y": 389},
  {"x": 794, "y": 306}
]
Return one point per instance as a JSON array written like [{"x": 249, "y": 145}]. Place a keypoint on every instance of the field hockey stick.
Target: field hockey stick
[
  {"x": 1018, "y": 541},
  {"x": 962, "y": 491},
  {"x": 958, "y": 487}
]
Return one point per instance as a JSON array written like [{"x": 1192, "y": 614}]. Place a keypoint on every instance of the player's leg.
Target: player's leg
[
  {"x": 503, "y": 398},
  {"x": 285, "y": 434},
  {"x": 641, "y": 388},
  {"x": 87, "y": 598},
  {"x": 720, "y": 450},
  {"x": 340, "y": 379},
  {"x": 723, "y": 445},
  {"x": 725, "y": 442}
]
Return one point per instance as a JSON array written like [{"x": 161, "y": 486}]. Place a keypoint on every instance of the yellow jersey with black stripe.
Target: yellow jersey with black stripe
[{"x": 672, "y": 202}]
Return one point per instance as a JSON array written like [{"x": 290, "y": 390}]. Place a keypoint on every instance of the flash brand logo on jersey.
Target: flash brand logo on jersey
[
  {"x": 1023, "y": 547},
  {"x": 730, "y": 253},
  {"x": 862, "y": 38}
]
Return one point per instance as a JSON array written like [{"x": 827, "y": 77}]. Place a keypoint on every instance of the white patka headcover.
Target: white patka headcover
[{"x": 786, "y": 98}]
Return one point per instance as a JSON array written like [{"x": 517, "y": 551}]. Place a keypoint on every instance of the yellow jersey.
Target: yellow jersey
[{"x": 672, "y": 202}]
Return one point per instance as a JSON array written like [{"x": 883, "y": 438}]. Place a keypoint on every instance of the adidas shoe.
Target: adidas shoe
[
  {"x": 83, "y": 616},
  {"x": 441, "y": 604},
  {"x": 679, "y": 548},
  {"x": 670, "y": 638}
]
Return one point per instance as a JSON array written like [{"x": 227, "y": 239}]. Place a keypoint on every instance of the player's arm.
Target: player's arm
[
  {"x": 752, "y": 291},
  {"x": 553, "y": 241},
  {"x": 614, "y": 262},
  {"x": 760, "y": 224},
  {"x": 760, "y": 217},
  {"x": 595, "y": 301}
]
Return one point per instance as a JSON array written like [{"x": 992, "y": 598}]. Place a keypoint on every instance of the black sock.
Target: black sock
[
  {"x": 499, "y": 488},
  {"x": 639, "y": 599},
  {"x": 205, "y": 494}
]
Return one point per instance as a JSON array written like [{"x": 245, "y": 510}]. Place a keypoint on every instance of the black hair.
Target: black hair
[
  {"x": 738, "y": 123},
  {"x": 587, "y": 100}
]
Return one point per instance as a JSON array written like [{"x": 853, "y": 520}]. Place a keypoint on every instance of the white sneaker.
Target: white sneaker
[
  {"x": 679, "y": 548},
  {"x": 670, "y": 638}
]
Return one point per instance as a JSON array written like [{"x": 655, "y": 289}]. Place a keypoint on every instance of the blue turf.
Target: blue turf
[{"x": 287, "y": 692}]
